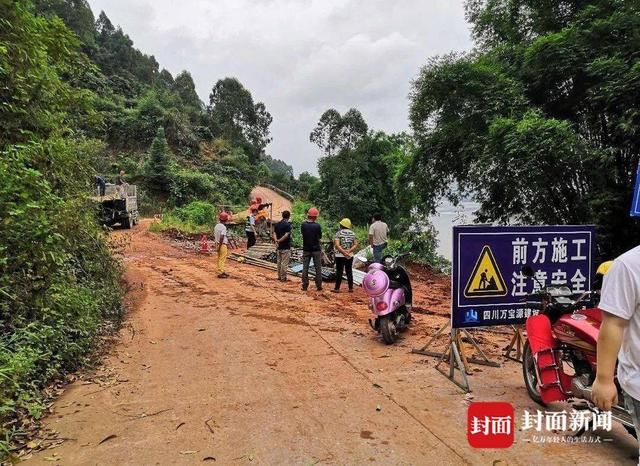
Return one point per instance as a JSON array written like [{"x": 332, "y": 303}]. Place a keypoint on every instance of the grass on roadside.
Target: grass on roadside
[{"x": 170, "y": 222}]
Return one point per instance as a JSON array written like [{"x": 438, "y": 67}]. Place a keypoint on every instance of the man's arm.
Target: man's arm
[
  {"x": 221, "y": 242},
  {"x": 284, "y": 237},
  {"x": 618, "y": 304},
  {"x": 605, "y": 393},
  {"x": 354, "y": 246}
]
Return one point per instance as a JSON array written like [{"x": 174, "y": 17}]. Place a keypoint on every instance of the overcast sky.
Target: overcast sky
[{"x": 299, "y": 57}]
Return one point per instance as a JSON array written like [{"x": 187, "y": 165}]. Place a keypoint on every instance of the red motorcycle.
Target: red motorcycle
[{"x": 559, "y": 361}]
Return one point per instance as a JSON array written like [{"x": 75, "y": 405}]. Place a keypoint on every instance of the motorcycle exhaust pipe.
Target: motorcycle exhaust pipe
[
  {"x": 580, "y": 390},
  {"x": 618, "y": 412}
]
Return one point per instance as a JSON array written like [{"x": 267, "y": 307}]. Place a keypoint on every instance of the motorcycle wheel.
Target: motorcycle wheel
[
  {"x": 388, "y": 329},
  {"x": 530, "y": 375}
]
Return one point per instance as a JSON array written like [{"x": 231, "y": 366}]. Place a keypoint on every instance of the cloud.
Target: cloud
[{"x": 299, "y": 57}]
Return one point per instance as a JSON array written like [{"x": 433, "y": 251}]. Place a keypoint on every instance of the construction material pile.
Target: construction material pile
[{"x": 264, "y": 255}]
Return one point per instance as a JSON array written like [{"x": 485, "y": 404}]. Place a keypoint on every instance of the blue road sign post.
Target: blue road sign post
[
  {"x": 488, "y": 287},
  {"x": 635, "y": 203}
]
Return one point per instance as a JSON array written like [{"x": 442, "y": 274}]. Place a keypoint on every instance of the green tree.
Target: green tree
[
  {"x": 539, "y": 121},
  {"x": 159, "y": 164},
  {"x": 165, "y": 79},
  {"x": 326, "y": 134},
  {"x": 184, "y": 86},
  {"x": 306, "y": 186},
  {"x": 357, "y": 183},
  {"x": 76, "y": 14},
  {"x": 352, "y": 129},
  {"x": 234, "y": 116},
  {"x": 336, "y": 132}
]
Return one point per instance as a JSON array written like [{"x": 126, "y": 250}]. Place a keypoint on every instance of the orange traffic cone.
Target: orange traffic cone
[{"x": 204, "y": 245}]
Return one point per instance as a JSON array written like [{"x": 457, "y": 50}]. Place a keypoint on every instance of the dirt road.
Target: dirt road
[
  {"x": 280, "y": 203},
  {"x": 253, "y": 371}
]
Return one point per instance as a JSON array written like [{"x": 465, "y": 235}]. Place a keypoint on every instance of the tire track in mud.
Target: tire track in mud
[{"x": 371, "y": 382}]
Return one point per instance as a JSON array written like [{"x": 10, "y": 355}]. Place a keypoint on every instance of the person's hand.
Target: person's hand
[{"x": 604, "y": 394}]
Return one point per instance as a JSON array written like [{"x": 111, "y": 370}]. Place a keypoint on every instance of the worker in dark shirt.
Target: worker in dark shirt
[
  {"x": 282, "y": 238},
  {"x": 311, "y": 236},
  {"x": 120, "y": 180}
]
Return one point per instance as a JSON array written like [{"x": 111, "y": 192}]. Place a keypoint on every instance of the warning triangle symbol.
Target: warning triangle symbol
[{"x": 486, "y": 279}]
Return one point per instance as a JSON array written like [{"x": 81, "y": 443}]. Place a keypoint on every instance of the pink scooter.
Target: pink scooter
[{"x": 390, "y": 298}]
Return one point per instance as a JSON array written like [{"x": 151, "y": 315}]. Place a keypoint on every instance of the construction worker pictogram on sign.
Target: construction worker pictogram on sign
[{"x": 486, "y": 279}]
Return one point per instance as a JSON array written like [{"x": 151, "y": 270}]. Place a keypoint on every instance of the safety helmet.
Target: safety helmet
[
  {"x": 604, "y": 268},
  {"x": 223, "y": 216},
  {"x": 313, "y": 212},
  {"x": 345, "y": 222}
]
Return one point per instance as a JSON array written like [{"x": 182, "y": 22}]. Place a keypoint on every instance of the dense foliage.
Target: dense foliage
[
  {"x": 79, "y": 100},
  {"x": 58, "y": 280},
  {"x": 132, "y": 98},
  {"x": 360, "y": 175},
  {"x": 540, "y": 122}
]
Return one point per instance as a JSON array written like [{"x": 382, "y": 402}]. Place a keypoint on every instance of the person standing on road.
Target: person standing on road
[
  {"x": 250, "y": 229},
  {"x": 345, "y": 243},
  {"x": 220, "y": 236},
  {"x": 619, "y": 337},
  {"x": 378, "y": 233},
  {"x": 311, "y": 236},
  {"x": 282, "y": 238}
]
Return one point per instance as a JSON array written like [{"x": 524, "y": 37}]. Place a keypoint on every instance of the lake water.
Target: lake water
[{"x": 448, "y": 216}]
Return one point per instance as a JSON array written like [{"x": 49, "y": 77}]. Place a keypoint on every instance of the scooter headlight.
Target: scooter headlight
[{"x": 388, "y": 261}]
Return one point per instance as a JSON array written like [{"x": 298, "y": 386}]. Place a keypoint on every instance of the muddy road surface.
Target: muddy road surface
[{"x": 249, "y": 370}]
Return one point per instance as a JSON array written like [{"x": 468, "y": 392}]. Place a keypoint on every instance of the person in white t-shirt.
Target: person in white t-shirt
[
  {"x": 619, "y": 336},
  {"x": 220, "y": 236},
  {"x": 378, "y": 233}
]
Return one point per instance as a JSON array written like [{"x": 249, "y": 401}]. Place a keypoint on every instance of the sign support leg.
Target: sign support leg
[
  {"x": 455, "y": 362},
  {"x": 485, "y": 361},
  {"x": 425, "y": 349},
  {"x": 452, "y": 355},
  {"x": 516, "y": 344}
]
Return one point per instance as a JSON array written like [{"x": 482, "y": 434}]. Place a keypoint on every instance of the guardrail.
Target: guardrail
[{"x": 284, "y": 194}]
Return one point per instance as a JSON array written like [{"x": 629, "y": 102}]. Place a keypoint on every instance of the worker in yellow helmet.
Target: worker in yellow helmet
[{"x": 345, "y": 243}]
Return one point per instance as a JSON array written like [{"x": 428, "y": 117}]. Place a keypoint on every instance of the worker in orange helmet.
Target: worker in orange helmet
[
  {"x": 311, "y": 235},
  {"x": 222, "y": 242}
]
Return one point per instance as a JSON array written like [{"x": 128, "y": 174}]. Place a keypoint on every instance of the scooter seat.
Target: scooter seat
[{"x": 394, "y": 285}]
